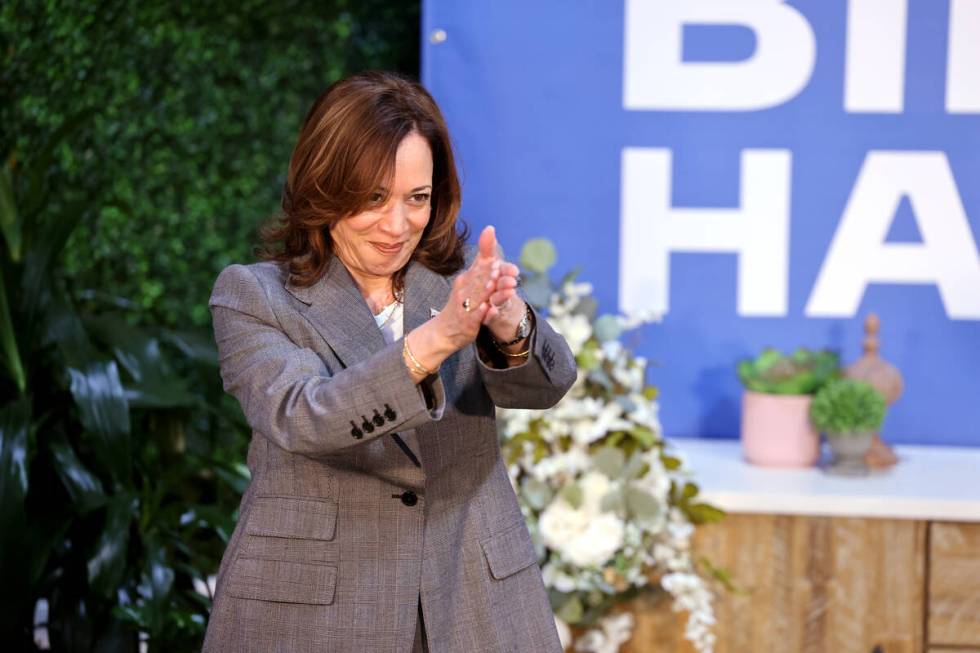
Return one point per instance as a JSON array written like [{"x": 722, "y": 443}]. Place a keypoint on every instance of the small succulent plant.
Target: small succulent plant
[
  {"x": 803, "y": 372},
  {"x": 847, "y": 406}
]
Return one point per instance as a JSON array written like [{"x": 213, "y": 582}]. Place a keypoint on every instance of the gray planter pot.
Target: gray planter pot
[{"x": 848, "y": 451}]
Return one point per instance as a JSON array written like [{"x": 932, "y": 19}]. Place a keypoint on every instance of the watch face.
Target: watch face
[{"x": 524, "y": 327}]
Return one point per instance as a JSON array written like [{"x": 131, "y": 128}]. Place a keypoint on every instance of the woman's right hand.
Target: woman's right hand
[
  {"x": 469, "y": 301},
  {"x": 459, "y": 321}
]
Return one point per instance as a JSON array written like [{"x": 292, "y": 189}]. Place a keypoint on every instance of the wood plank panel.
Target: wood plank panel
[
  {"x": 814, "y": 585},
  {"x": 954, "y": 584}
]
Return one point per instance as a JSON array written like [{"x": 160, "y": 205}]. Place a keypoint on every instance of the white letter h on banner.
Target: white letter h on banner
[{"x": 757, "y": 231}]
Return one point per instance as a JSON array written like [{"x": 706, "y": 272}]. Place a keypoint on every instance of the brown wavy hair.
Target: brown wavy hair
[{"x": 345, "y": 151}]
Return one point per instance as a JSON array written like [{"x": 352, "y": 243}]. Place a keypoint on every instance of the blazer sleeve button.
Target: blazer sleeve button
[
  {"x": 378, "y": 419},
  {"x": 356, "y": 432},
  {"x": 390, "y": 413},
  {"x": 366, "y": 425}
]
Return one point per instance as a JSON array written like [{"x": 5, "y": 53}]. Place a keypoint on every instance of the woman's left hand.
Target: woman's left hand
[{"x": 506, "y": 307}]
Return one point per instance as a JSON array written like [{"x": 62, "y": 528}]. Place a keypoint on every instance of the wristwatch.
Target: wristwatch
[{"x": 523, "y": 328}]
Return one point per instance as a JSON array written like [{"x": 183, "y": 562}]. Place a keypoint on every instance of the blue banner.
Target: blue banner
[{"x": 758, "y": 172}]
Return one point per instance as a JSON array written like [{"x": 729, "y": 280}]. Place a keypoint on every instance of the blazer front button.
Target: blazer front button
[{"x": 409, "y": 498}]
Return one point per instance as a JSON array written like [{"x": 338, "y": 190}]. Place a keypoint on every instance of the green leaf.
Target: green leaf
[
  {"x": 8, "y": 342},
  {"x": 689, "y": 491},
  {"x": 84, "y": 488},
  {"x": 538, "y": 254},
  {"x": 641, "y": 503},
  {"x": 9, "y": 222},
  {"x": 15, "y": 422},
  {"x": 107, "y": 564},
  {"x": 607, "y": 328},
  {"x": 155, "y": 384},
  {"x": 703, "y": 513},
  {"x": 572, "y": 493},
  {"x": 609, "y": 461},
  {"x": 195, "y": 345},
  {"x": 536, "y": 493},
  {"x": 586, "y": 306},
  {"x": 537, "y": 290},
  {"x": 613, "y": 501},
  {"x": 636, "y": 467},
  {"x": 572, "y": 610},
  {"x": 588, "y": 358},
  {"x": 671, "y": 463},
  {"x": 643, "y": 435},
  {"x": 104, "y": 412}
]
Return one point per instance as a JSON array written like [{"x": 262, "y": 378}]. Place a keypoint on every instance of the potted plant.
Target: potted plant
[
  {"x": 850, "y": 412},
  {"x": 776, "y": 427}
]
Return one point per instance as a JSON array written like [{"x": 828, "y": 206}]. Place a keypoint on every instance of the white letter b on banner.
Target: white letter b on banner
[{"x": 655, "y": 77}]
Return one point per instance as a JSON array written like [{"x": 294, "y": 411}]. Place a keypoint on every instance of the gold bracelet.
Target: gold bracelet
[
  {"x": 521, "y": 354},
  {"x": 414, "y": 363}
]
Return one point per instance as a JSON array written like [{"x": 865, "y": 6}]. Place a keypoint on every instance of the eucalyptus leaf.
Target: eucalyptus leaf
[
  {"x": 609, "y": 461},
  {"x": 606, "y": 328},
  {"x": 537, "y": 290},
  {"x": 635, "y": 467},
  {"x": 641, "y": 503},
  {"x": 613, "y": 501},
  {"x": 572, "y": 493},
  {"x": 538, "y": 254},
  {"x": 536, "y": 493},
  {"x": 587, "y": 306}
]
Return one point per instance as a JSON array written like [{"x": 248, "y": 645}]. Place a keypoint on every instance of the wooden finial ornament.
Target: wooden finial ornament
[{"x": 885, "y": 378}]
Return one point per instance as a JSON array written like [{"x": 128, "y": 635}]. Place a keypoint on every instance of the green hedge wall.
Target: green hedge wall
[{"x": 183, "y": 118}]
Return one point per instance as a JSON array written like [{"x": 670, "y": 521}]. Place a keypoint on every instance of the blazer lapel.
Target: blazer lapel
[
  {"x": 424, "y": 291},
  {"x": 336, "y": 309}
]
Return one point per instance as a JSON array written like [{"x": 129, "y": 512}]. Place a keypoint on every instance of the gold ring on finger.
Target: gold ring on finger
[{"x": 467, "y": 304}]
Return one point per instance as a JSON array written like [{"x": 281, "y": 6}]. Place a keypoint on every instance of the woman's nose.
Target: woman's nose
[{"x": 395, "y": 217}]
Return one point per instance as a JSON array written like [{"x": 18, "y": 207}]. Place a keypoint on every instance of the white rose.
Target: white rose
[
  {"x": 602, "y": 538},
  {"x": 560, "y": 522},
  {"x": 575, "y": 328}
]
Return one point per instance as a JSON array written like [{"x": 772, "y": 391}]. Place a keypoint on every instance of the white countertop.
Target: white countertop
[{"x": 928, "y": 483}]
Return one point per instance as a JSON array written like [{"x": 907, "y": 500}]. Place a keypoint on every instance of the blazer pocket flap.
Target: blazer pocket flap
[
  {"x": 509, "y": 551},
  {"x": 283, "y": 581},
  {"x": 305, "y": 518}
]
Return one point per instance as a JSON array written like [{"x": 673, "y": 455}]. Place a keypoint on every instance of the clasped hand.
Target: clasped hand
[{"x": 484, "y": 294}]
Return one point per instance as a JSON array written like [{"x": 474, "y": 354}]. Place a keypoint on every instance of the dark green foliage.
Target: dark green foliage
[
  {"x": 140, "y": 145},
  {"x": 847, "y": 406},
  {"x": 189, "y": 111},
  {"x": 801, "y": 373}
]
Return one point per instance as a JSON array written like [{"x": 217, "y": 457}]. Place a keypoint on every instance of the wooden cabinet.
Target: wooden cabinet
[
  {"x": 833, "y": 585},
  {"x": 954, "y": 585}
]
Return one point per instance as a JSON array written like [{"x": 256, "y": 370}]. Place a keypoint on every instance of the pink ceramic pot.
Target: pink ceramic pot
[{"x": 776, "y": 430}]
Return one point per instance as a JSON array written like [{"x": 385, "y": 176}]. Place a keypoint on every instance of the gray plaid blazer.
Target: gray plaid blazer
[{"x": 366, "y": 498}]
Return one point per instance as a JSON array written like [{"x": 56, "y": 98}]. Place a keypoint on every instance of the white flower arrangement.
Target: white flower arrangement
[{"x": 609, "y": 505}]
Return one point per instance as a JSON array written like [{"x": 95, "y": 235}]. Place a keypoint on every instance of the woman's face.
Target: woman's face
[{"x": 378, "y": 241}]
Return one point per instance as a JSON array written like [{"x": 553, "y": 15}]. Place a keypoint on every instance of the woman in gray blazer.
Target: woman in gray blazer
[{"x": 368, "y": 356}]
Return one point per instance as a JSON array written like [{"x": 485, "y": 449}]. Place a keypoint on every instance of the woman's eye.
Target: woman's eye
[
  {"x": 421, "y": 198},
  {"x": 376, "y": 198}
]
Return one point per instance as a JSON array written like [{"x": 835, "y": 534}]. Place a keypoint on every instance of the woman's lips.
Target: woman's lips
[{"x": 387, "y": 249}]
